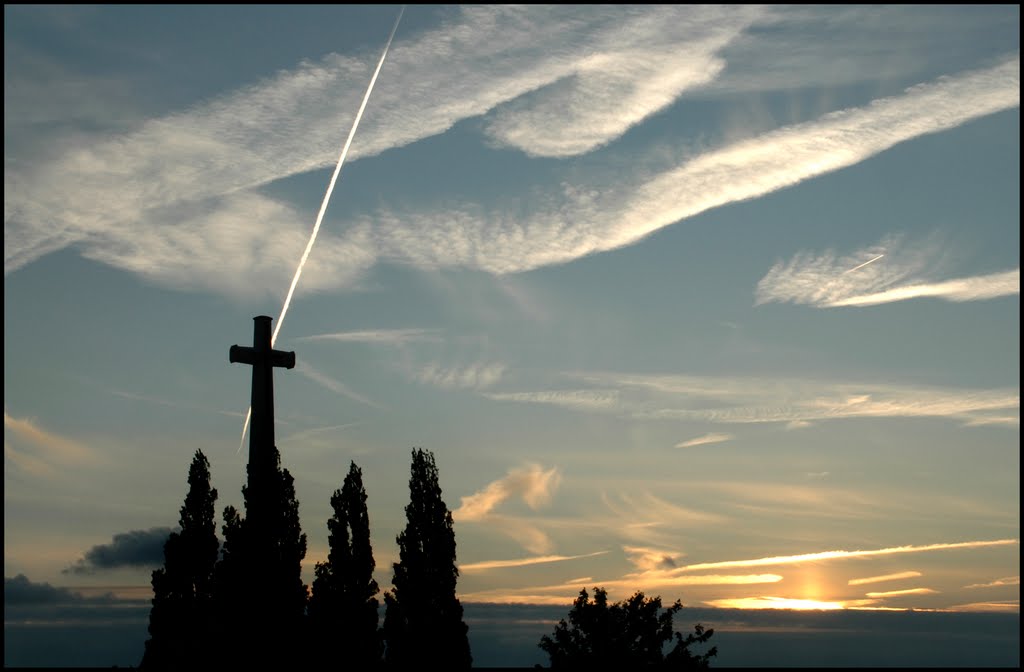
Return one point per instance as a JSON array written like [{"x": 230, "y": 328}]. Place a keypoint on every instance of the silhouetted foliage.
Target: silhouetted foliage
[
  {"x": 423, "y": 626},
  {"x": 628, "y": 634},
  {"x": 343, "y": 607},
  {"x": 261, "y": 599},
  {"x": 181, "y": 618}
]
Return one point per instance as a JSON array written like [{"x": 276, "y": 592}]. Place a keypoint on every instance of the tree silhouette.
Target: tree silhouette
[
  {"x": 260, "y": 596},
  {"x": 423, "y": 624},
  {"x": 627, "y": 634},
  {"x": 343, "y": 607},
  {"x": 181, "y": 618}
]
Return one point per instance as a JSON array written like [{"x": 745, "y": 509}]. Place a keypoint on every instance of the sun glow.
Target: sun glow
[{"x": 768, "y": 602}]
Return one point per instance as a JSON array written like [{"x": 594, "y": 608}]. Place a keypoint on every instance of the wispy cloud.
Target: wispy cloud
[
  {"x": 476, "y": 60},
  {"x": 389, "y": 336},
  {"x": 563, "y": 593},
  {"x": 650, "y": 525},
  {"x": 533, "y": 483},
  {"x": 331, "y": 384},
  {"x": 884, "y": 577},
  {"x": 43, "y": 453},
  {"x": 172, "y": 404},
  {"x": 574, "y": 399},
  {"x": 998, "y": 606},
  {"x": 582, "y": 219},
  {"x": 650, "y": 559},
  {"x": 901, "y": 593},
  {"x": 893, "y": 270},
  {"x": 621, "y": 82},
  {"x": 705, "y": 440},
  {"x": 768, "y": 602},
  {"x": 308, "y": 433},
  {"x": 743, "y": 400},
  {"x": 473, "y": 377},
  {"x": 522, "y": 562},
  {"x": 832, "y": 555},
  {"x": 175, "y": 199},
  {"x": 1005, "y": 581}
]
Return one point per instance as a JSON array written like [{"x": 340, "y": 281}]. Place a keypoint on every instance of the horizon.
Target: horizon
[{"x": 717, "y": 303}]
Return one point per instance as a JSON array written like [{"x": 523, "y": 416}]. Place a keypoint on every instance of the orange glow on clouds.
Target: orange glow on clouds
[
  {"x": 767, "y": 602},
  {"x": 884, "y": 577},
  {"x": 833, "y": 555},
  {"x": 900, "y": 593}
]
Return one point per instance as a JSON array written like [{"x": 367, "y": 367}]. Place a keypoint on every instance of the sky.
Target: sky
[{"x": 720, "y": 303}]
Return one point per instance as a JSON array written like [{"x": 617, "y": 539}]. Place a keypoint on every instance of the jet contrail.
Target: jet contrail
[
  {"x": 323, "y": 205},
  {"x": 869, "y": 261}
]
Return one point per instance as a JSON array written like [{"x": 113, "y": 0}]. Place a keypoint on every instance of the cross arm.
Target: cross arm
[{"x": 246, "y": 355}]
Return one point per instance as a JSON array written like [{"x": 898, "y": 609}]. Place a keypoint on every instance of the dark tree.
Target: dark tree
[
  {"x": 261, "y": 600},
  {"x": 343, "y": 607},
  {"x": 181, "y": 619},
  {"x": 423, "y": 626},
  {"x": 627, "y": 634}
]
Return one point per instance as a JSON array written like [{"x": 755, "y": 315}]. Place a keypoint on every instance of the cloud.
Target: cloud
[
  {"x": 900, "y": 593},
  {"x": 203, "y": 158},
  {"x": 1005, "y": 581},
  {"x": 331, "y": 384},
  {"x": 21, "y": 591},
  {"x": 998, "y": 606},
  {"x": 50, "y": 454},
  {"x": 832, "y": 555},
  {"x": 172, "y": 404},
  {"x": 175, "y": 200},
  {"x": 962, "y": 289},
  {"x": 622, "y": 82},
  {"x": 532, "y": 483},
  {"x": 648, "y": 559},
  {"x": 137, "y": 548},
  {"x": 743, "y": 400},
  {"x": 522, "y": 562},
  {"x": 526, "y": 533},
  {"x": 768, "y": 602},
  {"x": 475, "y": 376},
  {"x": 650, "y": 581},
  {"x": 585, "y": 400},
  {"x": 883, "y": 577},
  {"x": 586, "y": 218},
  {"x": 390, "y": 336},
  {"x": 888, "y": 272},
  {"x": 705, "y": 440}
]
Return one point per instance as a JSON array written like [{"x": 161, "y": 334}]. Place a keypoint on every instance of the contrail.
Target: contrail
[
  {"x": 869, "y": 261},
  {"x": 323, "y": 205}
]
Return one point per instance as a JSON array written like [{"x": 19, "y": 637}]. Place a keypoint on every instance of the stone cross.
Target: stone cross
[{"x": 263, "y": 359}]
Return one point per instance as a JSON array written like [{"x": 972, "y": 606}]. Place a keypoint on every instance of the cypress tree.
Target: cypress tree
[
  {"x": 423, "y": 624},
  {"x": 343, "y": 607},
  {"x": 261, "y": 600},
  {"x": 181, "y": 619}
]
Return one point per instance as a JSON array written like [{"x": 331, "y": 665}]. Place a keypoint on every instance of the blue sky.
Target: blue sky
[{"x": 721, "y": 303}]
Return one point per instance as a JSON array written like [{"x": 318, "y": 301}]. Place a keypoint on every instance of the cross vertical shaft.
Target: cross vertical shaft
[{"x": 263, "y": 358}]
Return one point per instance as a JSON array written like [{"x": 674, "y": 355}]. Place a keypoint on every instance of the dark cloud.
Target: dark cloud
[
  {"x": 20, "y": 591},
  {"x": 137, "y": 548},
  {"x": 53, "y": 626}
]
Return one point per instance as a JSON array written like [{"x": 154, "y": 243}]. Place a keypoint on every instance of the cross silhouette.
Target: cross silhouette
[{"x": 263, "y": 359}]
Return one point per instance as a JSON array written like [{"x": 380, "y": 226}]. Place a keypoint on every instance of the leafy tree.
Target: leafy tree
[
  {"x": 343, "y": 607},
  {"x": 627, "y": 634},
  {"x": 423, "y": 624},
  {"x": 259, "y": 591},
  {"x": 181, "y": 617}
]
